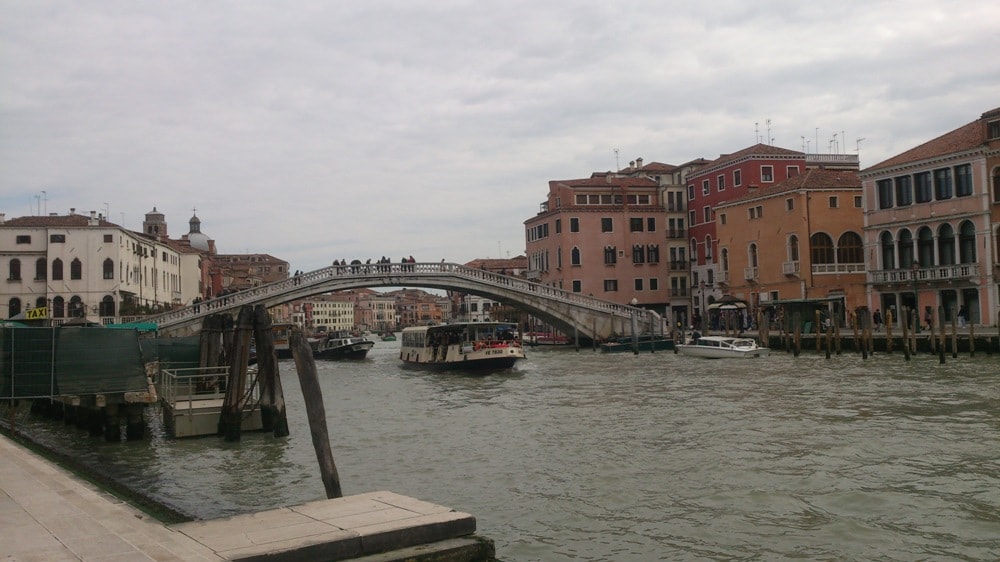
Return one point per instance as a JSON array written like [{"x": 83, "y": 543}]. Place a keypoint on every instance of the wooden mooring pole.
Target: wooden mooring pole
[
  {"x": 943, "y": 339},
  {"x": 231, "y": 416},
  {"x": 954, "y": 335},
  {"x": 972, "y": 339},
  {"x": 272, "y": 398},
  {"x": 305, "y": 366},
  {"x": 888, "y": 332},
  {"x": 903, "y": 326}
]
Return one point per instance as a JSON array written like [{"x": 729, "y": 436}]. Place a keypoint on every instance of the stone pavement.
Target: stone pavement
[{"x": 48, "y": 514}]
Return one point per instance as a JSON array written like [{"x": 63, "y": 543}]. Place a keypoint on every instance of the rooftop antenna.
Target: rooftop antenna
[
  {"x": 817, "y": 139},
  {"x": 45, "y": 200},
  {"x": 858, "y": 146},
  {"x": 803, "y": 143},
  {"x": 756, "y": 131},
  {"x": 617, "y": 165},
  {"x": 771, "y": 139}
]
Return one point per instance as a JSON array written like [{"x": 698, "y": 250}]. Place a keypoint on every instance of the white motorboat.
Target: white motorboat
[{"x": 721, "y": 347}]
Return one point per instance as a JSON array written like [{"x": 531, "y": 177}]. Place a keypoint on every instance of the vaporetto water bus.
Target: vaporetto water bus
[{"x": 463, "y": 345}]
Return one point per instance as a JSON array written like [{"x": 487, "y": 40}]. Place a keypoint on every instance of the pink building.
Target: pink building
[{"x": 931, "y": 223}]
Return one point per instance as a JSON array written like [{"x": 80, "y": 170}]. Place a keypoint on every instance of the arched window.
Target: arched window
[
  {"x": 905, "y": 245},
  {"x": 108, "y": 306},
  {"x": 888, "y": 250},
  {"x": 694, "y": 250},
  {"x": 76, "y": 269},
  {"x": 708, "y": 247},
  {"x": 850, "y": 249},
  {"x": 41, "y": 302},
  {"x": 57, "y": 269},
  {"x": 821, "y": 248},
  {"x": 58, "y": 307},
  {"x": 725, "y": 259},
  {"x": 946, "y": 245},
  {"x": 996, "y": 185},
  {"x": 752, "y": 255},
  {"x": 15, "y": 271},
  {"x": 574, "y": 256},
  {"x": 925, "y": 247},
  {"x": 40, "y": 269},
  {"x": 638, "y": 253},
  {"x": 13, "y": 307},
  {"x": 793, "y": 248},
  {"x": 967, "y": 242},
  {"x": 109, "y": 268},
  {"x": 76, "y": 307}
]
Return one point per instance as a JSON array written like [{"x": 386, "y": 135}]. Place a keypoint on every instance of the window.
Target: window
[
  {"x": 690, "y": 193},
  {"x": 610, "y": 285},
  {"x": 57, "y": 238},
  {"x": 13, "y": 307},
  {"x": 57, "y": 269},
  {"x": 722, "y": 182},
  {"x": 821, "y": 246},
  {"x": 635, "y": 225},
  {"x": 15, "y": 270},
  {"x": 993, "y": 130},
  {"x": 654, "y": 284},
  {"x": 707, "y": 212},
  {"x": 40, "y": 267},
  {"x": 636, "y": 200},
  {"x": 23, "y": 239},
  {"x": 922, "y": 187},
  {"x": 963, "y": 180},
  {"x": 967, "y": 243},
  {"x": 904, "y": 191},
  {"x": 722, "y": 218},
  {"x": 888, "y": 251},
  {"x": 708, "y": 247},
  {"x": 653, "y": 253},
  {"x": 610, "y": 255},
  {"x": 850, "y": 248},
  {"x": 756, "y": 212},
  {"x": 767, "y": 174},
  {"x": 651, "y": 224},
  {"x": 558, "y": 226},
  {"x": 606, "y": 224},
  {"x": 577, "y": 286},
  {"x": 791, "y": 171},
  {"x": 109, "y": 269},
  {"x": 76, "y": 269},
  {"x": 858, "y": 202},
  {"x": 834, "y": 203},
  {"x": 638, "y": 284},
  {"x": 109, "y": 238},
  {"x": 574, "y": 256},
  {"x": 638, "y": 254},
  {"x": 574, "y": 224},
  {"x": 693, "y": 217},
  {"x": 789, "y": 204},
  {"x": 793, "y": 248},
  {"x": 737, "y": 178},
  {"x": 942, "y": 184},
  {"x": 58, "y": 307},
  {"x": 885, "y": 192}
]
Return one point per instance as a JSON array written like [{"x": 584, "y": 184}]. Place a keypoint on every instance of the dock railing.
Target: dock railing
[{"x": 199, "y": 384}]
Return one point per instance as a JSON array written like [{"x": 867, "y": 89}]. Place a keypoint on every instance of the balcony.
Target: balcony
[
  {"x": 723, "y": 277},
  {"x": 791, "y": 268},
  {"x": 677, "y": 233},
  {"x": 679, "y": 292},
  {"x": 534, "y": 274},
  {"x": 751, "y": 273},
  {"x": 834, "y": 268},
  {"x": 679, "y": 265},
  {"x": 965, "y": 271}
]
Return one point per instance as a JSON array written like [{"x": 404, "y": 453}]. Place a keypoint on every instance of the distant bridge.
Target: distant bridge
[{"x": 572, "y": 313}]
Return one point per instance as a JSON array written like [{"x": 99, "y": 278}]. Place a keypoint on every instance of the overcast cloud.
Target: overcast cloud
[{"x": 321, "y": 130}]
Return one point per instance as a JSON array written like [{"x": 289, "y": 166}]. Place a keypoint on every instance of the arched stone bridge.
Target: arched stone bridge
[{"x": 571, "y": 313}]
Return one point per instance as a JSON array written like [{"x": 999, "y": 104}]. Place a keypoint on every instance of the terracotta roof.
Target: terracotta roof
[
  {"x": 54, "y": 221},
  {"x": 658, "y": 167},
  {"x": 812, "y": 178},
  {"x": 605, "y": 180},
  {"x": 759, "y": 149},
  {"x": 964, "y": 138}
]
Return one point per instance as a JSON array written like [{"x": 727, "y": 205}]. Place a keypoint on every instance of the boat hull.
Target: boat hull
[
  {"x": 709, "y": 353},
  {"x": 350, "y": 348},
  {"x": 484, "y": 346},
  {"x": 625, "y": 344}
]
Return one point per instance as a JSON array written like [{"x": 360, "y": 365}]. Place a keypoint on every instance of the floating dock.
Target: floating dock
[{"x": 47, "y": 513}]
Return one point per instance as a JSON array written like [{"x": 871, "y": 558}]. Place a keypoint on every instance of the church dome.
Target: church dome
[{"x": 198, "y": 240}]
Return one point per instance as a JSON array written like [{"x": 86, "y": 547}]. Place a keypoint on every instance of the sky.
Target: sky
[{"x": 316, "y": 130}]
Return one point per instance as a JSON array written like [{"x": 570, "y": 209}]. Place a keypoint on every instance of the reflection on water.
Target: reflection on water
[{"x": 589, "y": 456}]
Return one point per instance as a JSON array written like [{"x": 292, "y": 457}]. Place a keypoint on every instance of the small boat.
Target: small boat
[
  {"x": 342, "y": 345},
  {"x": 280, "y": 335},
  {"x": 644, "y": 342},
  {"x": 389, "y": 336},
  {"x": 720, "y": 347},
  {"x": 463, "y": 345},
  {"x": 545, "y": 338}
]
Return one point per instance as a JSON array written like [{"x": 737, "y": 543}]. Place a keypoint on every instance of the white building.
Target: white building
[{"x": 66, "y": 266}]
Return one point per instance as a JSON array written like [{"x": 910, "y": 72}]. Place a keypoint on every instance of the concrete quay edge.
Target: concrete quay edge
[{"x": 48, "y": 513}]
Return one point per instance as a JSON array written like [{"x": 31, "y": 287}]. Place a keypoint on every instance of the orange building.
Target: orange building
[{"x": 798, "y": 239}]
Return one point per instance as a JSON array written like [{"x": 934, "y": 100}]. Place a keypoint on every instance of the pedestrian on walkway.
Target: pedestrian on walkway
[
  {"x": 963, "y": 316},
  {"x": 877, "y": 319}
]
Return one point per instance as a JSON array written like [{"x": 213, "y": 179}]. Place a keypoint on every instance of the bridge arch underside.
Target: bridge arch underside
[{"x": 587, "y": 323}]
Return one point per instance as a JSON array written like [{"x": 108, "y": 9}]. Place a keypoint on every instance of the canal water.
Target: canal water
[{"x": 579, "y": 455}]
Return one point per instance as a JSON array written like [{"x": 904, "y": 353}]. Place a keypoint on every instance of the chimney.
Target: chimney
[
  {"x": 638, "y": 163},
  {"x": 72, "y": 210},
  {"x": 93, "y": 219}
]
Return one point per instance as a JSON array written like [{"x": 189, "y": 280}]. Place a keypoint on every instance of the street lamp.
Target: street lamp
[{"x": 916, "y": 300}]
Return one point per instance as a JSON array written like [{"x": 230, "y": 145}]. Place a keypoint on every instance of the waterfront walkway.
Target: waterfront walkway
[{"x": 49, "y": 514}]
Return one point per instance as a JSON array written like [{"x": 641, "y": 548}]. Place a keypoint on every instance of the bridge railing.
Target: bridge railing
[{"x": 387, "y": 272}]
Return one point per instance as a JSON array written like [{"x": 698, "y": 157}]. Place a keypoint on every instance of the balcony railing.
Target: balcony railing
[
  {"x": 924, "y": 274},
  {"x": 679, "y": 265},
  {"x": 751, "y": 273},
  {"x": 831, "y": 268},
  {"x": 723, "y": 277},
  {"x": 790, "y": 267},
  {"x": 677, "y": 233},
  {"x": 679, "y": 292}
]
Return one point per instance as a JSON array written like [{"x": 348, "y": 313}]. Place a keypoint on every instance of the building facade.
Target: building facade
[
  {"x": 933, "y": 224},
  {"x": 797, "y": 239}
]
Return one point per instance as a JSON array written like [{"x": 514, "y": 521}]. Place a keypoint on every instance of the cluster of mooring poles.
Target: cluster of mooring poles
[
  {"x": 938, "y": 340},
  {"x": 254, "y": 322}
]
